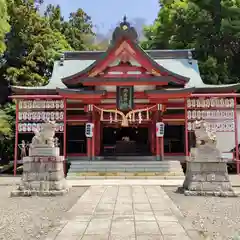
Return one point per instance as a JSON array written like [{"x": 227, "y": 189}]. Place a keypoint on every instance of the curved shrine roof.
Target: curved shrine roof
[
  {"x": 175, "y": 63},
  {"x": 178, "y": 66}
]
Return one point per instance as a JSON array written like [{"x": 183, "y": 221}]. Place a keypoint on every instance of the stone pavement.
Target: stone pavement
[
  {"x": 162, "y": 181},
  {"x": 124, "y": 212}
]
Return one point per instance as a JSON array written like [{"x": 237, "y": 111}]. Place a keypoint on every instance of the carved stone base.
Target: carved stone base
[
  {"x": 29, "y": 193},
  {"x": 207, "y": 178},
  {"x": 42, "y": 176},
  {"x": 44, "y": 151}
]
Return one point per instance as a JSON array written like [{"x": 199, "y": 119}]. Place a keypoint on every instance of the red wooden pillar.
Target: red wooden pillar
[
  {"x": 158, "y": 143},
  {"x": 16, "y": 141},
  {"x": 94, "y": 137},
  {"x": 158, "y": 151},
  {"x": 162, "y": 148},
  {"x": 89, "y": 140},
  {"x": 65, "y": 137},
  {"x": 98, "y": 135},
  {"x": 186, "y": 128},
  {"x": 161, "y": 139},
  {"x": 153, "y": 134},
  {"x": 236, "y": 134},
  {"x": 89, "y": 148}
]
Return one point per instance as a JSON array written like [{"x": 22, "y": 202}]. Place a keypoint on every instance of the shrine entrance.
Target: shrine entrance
[
  {"x": 174, "y": 142},
  {"x": 125, "y": 141}
]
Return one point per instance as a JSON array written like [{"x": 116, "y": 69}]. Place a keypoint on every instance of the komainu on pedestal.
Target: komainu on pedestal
[
  {"x": 43, "y": 173},
  {"x": 206, "y": 172}
]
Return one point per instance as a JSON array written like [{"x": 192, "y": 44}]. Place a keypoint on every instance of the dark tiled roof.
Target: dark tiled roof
[
  {"x": 219, "y": 89},
  {"x": 170, "y": 91},
  {"x": 80, "y": 91},
  {"x": 155, "y": 54}
]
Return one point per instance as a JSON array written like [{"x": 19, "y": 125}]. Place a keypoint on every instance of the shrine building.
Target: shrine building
[{"x": 124, "y": 92}]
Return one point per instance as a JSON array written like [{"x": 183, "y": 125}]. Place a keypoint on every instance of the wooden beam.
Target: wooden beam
[
  {"x": 131, "y": 82},
  {"x": 126, "y": 75},
  {"x": 125, "y": 68},
  {"x": 137, "y": 95},
  {"x": 113, "y": 106},
  {"x": 36, "y": 97}
]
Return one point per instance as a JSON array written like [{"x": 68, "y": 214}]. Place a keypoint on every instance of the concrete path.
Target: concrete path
[{"x": 125, "y": 213}]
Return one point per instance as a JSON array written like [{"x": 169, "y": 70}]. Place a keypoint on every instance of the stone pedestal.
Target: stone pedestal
[
  {"x": 207, "y": 174},
  {"x": 43, "y": 174}
]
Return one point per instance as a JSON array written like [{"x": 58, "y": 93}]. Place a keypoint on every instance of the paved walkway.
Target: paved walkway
[
  {"x": 127, "y": 182},
  {"x": 162, "y": 181},
  {"x": 125, "y": 213}
]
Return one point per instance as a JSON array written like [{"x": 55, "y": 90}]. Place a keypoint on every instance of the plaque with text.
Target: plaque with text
[{"x": 124, "y": 98}]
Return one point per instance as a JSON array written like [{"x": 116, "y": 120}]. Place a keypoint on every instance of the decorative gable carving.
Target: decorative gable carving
[{"x": 124, "y": 57}]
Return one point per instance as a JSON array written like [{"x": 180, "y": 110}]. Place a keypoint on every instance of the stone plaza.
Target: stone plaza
[
  {"x": 44, "y": 218},
  {"x": 124, "y": 212}
]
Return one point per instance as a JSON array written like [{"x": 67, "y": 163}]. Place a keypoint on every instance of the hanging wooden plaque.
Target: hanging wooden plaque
[{"x": 125, "y": 98}]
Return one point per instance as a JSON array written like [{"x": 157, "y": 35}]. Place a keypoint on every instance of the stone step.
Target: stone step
[
  {"x": 105, "y": 168},
  {"x": 154, "y": 166},
  {"x": 126, "y": 158},
  {"x": 126, "y": 167},
  {"x": 76, "y": 176},
  {"x": 123, "y": 175},
  {"x": 125, "y": 163},
  {"x": 121, "y": 170}
]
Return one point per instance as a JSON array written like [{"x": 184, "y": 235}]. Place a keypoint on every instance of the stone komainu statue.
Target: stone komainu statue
[
  {"x": 44, "y": 137},
  {"x": 206, "y": 172},
  {"x": 206, "y": 141},
  {"x": 203, "y": 135}
]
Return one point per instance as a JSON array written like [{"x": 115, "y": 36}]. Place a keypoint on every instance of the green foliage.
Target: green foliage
[
  {"x": 36, "y": 41},
  {"x": 4, "y": 26},
  {"x": 77, "y": 30},
  {"x": 32, "y": 45},
  {"x": 7, "y": 129},
  {"x": 5, "y": 126},
  {"x": 30, "y": 48},
  {"x": 212, "y": 28}
]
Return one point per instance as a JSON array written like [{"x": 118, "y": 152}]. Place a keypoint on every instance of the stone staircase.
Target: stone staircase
[{"x": 128, "y": 167}]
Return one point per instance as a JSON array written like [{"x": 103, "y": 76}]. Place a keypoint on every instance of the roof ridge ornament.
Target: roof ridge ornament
[
  {"x": 125, "y": 25},
  {"x": 124, "y": 30},
  {"x": 125, "y": 19}
]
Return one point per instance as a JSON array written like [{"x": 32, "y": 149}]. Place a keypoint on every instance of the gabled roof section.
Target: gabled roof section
[
  {"x": 124, "y": 41},
  {"x": 179, "y": 66}
]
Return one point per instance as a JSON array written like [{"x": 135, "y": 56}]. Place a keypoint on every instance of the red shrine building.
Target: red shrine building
[{"x": 124, "y": 92}]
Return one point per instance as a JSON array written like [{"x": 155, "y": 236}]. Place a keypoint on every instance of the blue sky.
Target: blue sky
[{"x": 107, "y": 13}]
